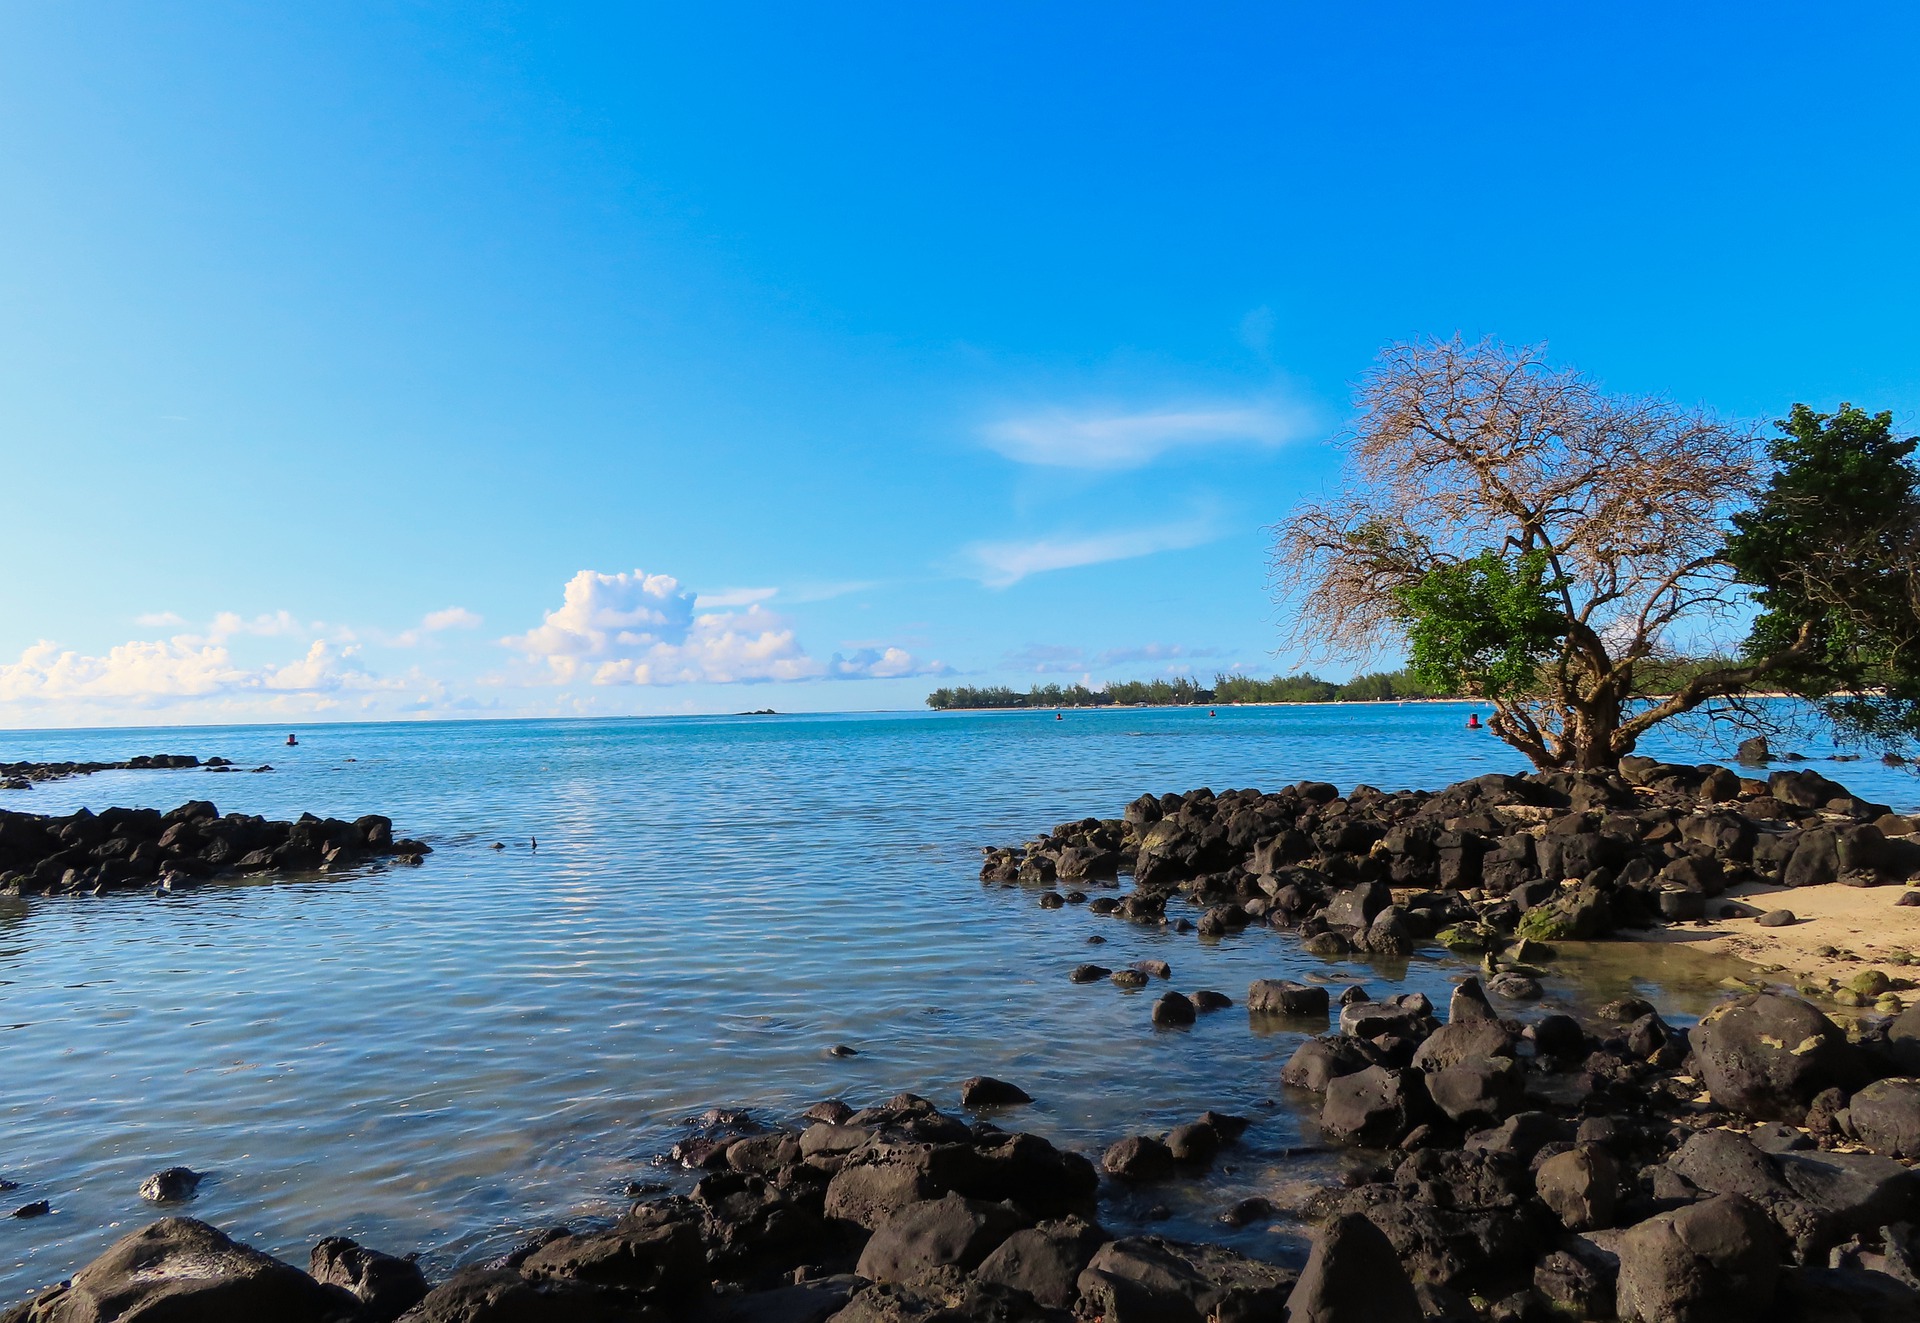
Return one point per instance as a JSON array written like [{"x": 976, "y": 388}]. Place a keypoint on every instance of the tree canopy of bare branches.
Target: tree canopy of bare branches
[{"x": 1619, "y": 505}]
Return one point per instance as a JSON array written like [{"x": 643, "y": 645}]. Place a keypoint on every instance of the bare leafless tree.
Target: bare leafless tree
[{"x": 1457, "y": 449}]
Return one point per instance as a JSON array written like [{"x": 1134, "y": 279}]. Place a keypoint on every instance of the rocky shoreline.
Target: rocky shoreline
[
  {"x": 1499, "y": 1165},
  {"x": 122, "y": 849},
  {"x": 24, "y": 776}
]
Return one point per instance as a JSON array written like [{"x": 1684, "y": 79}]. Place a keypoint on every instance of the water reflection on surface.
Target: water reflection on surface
[{"x": 438, "y": 1058}]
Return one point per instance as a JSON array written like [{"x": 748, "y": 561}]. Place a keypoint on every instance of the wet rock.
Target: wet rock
[
  {"x": 1045, "y": 1261},
  {"x": 1172, "y": 1010},
  {"x": 385, "y": 1286},
  {"x": 1714, "y": 1260},
  {"x": 1138, "y": 1158},
  {"x": 1357, "y": 906},
  {"x": 1479, "y": 1091},
  {"x": 1886, "y": 1117},
  {"x": 184, "y": 1269},
  {"x": 654, "y": 1247},
  {"x": 935, "y": 1233},
  {"x": 493, "y": 1295},
  {"x": 985, "y": 1091},
  {"x": 1206, "y": 1000},
  {"x": 1195, "y": 1142},
  {"x": 1468, "y": 1002},
  {"x": 38, "y": 1208},
  {"x": 170, "y": 1186},
  {"x": 1163, "y": 1281},
  {"x": 1625, "y": 1010},
  {"x": 1319, "y": 1060},
  {"x": 1280, "y": 997},
  {"x": 1766, "y": 1056},
  {"x": 1089, "y": 973},
  {"x": 1466, "y": 1040},
  {"x": 1131, "y": 979},
  {"x": 1154, "y": 968},
  {"x": 1558, "y": 1036},
  {"x": 1516, "y": 987},
  {"x": 1373, "y": 1107},
  {"x": 1581, "y": 1186},
  {"x": 1247, "y": 1211},
  {"x": 1353, "y": 1275},
  {"x": 1581, "y": 1287}
]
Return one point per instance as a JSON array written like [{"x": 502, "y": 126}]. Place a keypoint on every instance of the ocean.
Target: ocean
[{"x": 442, "y": 1058}]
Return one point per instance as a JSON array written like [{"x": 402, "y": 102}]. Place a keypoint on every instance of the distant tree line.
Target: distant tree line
[{"x": 1377, "y": 687}]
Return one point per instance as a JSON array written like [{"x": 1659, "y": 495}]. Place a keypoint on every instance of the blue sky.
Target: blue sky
[{"x": 360, "y": 360}]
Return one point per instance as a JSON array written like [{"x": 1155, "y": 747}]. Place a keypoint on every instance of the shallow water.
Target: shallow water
[{"x": 438, "y": 1058}]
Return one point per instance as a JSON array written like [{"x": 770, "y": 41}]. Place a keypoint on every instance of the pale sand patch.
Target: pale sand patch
[{"x": 1864, "y": 921}]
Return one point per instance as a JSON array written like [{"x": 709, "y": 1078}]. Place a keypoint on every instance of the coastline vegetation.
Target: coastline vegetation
[{"x": 1380, "y": 686}]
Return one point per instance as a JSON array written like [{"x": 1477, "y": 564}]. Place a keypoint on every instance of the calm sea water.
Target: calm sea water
[{"x": 437, "y": 1058}]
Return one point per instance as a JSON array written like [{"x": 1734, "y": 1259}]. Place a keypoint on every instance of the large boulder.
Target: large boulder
[
  {"x": 1353, "y": 1275},
  {"x": 934, "y": 1234},
  {"x": 1766, "y": 1056},
  {"x": 1462, "y": 1040},
  {"x": 1886, "y": 1117},
  {"x": 180, "y": 1268},
  {"x": 1272, "y": 996},
  {"x": 386, "y": 1286},
  {"x": 1716, "y": 1261},
  {"x": 1480, "y": 1091},
  {"x": 1581, "y": 1186},
  {"x": 1162, "y": 1281},
  {"x": 1044, "y": 1261},
  {"x": 1373, "y": 1107},
  {"x": 1319, "y": 1061}
]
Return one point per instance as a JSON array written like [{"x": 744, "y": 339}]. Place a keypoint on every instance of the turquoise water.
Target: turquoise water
[{"x": 438, "y": 1058}]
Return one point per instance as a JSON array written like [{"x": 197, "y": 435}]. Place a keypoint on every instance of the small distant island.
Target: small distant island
[{"x": 1376, "y": 687}]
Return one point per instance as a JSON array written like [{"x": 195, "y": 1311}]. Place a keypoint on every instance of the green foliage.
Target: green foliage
[
  {"x": 1381, "y": 686},
  {"x": 1482, "y": 626},
  {"x": 1832, "y": 550},
  {"x": 1158, "y": 693}
]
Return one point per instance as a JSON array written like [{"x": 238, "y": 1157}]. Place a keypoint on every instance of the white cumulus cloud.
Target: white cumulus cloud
[
  {"x": 645, "y": 629},
  {"x": 1003, "y": 564},
  {"x": 1106, "y": 440},
  {"x": 145, "y": 674}
]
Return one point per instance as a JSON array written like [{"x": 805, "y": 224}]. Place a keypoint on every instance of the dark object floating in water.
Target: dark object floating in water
[
  {"x": 38, "y": 1208},
  {"x": 842, "y": 1050}
]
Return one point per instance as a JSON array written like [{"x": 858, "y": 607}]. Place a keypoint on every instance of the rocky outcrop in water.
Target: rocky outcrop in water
[
  {"x": 122, "y": 848},
  {"x": 23, "y": 776},
  {"x": 1548, "y": 857}
]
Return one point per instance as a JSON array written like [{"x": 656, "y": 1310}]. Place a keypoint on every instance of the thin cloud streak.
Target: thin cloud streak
[
  {"x": 1003, "y": 564},
  {"x": 1112, "y": 441}
]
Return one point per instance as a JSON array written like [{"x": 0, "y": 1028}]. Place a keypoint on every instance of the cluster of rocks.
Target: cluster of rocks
[
  {"x": 891, "y": 1213},
  {"x": 1546, "y": 856},
  {"x": 23, "y": 776},
  {"x": 1757, "y": 1166},
  {"x": 86, "y": 853}
]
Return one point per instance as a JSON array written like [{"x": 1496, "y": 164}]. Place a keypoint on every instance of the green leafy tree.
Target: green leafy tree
[
  {"x": 1482, "y": 626},
  {"x": 1831, "y": 549}
]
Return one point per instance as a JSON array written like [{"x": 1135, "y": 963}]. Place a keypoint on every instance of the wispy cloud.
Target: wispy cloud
[
  {"x": 1003, "y": 564},
  {"x": 1112, "y": 440},
  {"x": 435, "y": 622},
  {"x": 159, "y": 620},
  {"x": 733, "y": 597}
]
